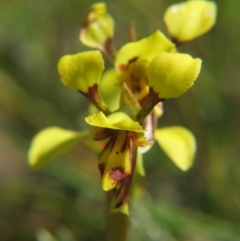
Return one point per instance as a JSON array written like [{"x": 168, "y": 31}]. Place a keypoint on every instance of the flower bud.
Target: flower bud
[
  {"x": 188, "y": 20},
  {"x": 98, "y": 27}
]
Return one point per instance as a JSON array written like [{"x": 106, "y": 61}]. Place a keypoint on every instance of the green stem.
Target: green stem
[
  {"x": 96, "y": 99},
  {"x": 149, "y": 104},
  {"x": 118, "y": 224}
]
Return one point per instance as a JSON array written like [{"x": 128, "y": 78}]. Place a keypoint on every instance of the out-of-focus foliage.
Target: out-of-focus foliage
[{"x": 202, "y": 204}]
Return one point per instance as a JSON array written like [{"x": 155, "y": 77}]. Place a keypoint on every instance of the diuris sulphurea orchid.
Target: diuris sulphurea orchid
[{"x": 127, "y": 99}]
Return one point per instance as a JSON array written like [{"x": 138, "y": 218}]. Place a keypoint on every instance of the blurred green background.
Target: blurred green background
[{"x": 65, "y": 198}]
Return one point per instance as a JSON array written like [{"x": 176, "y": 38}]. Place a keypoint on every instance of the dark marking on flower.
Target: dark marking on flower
[
  {"x": 88, "y": 20},
  {"x": 102, "y": 165},
  {"x": 119, "y": 204},
  {"x": 93, "y": 90},
  {"x": 117, "y": 152},
  {"x": 123, "y": 67},
  {"x": 101, "y": 133},
  {"x": 113, "y": 140},
  {"x": 142, "y": 101},
  {"x": 138, "y": 89},
  {"x": 105, "y": 148},
  {"x": 177, "y": 41},
  {"x": 85, "y": 24},
  {"x": 125, "y": 143},
  {"x": 132, "y": 60},
  {"x": 108, "y": 45},
  {"x": 92, "y": 93},
  {"x": 101, "y": 168},
  {"x": 118, "y": 174}
]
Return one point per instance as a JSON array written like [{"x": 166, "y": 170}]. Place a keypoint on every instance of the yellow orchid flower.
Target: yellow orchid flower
[
  {"x": 127, "y": 98},
  {"x": 115, "y": 162}
]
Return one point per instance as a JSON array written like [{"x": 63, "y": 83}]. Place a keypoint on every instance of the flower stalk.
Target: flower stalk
[
  {"x": 148, "y": 105},
  {"x": 109, "y": 50}
]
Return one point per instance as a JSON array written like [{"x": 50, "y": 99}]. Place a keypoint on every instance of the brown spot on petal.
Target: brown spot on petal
[
  {"x": 142, "y": 101},
  {"x": 93, "y": 90},
  {"x": 101, "y": 168},
  {"x": 119, "y": 204},
  {"x": 91, "y": 93},
  {"x": 113, "y": 140},
  {"x": 125, "y": 143},
  {"x": 132, "y": 60},
  {"x": 118, "y": 174},
  {"x": 123, "y": 67},
  {"x": 99, "y": 134}
]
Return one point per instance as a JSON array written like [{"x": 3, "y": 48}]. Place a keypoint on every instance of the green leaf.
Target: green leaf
[
  {"x": 51, "y": 143},
  {"x": 172, "y": 74},
  {"x": 188, "y": 20},
  {"x": 179, "y": 145},
  {"x": 81, "y": 71}
]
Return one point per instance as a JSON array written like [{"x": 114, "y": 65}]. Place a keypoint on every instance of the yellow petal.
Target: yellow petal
[
  {"x": 98, "y": 27},
  {"x": 117, "y": 120},
  {"x": 144, "y": 49},
  {"x": 50, "y": 143},
  {"x": 188, "y": 20},
  {"x": 115, "y": 160},
  {"x": 133, "y": 59},
  {"x": 172, "y": 74},
  {"x": 179, "y": 144},
  {"x": 81, "y": 71}
]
